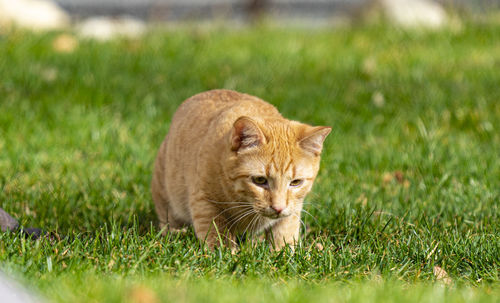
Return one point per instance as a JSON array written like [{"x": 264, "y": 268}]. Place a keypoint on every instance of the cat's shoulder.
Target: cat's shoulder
[{"x": 224, "y": 95}]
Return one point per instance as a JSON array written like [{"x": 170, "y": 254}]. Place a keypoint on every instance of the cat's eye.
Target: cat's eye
[
  {"x": 296, "y": 182},
  {"x": 262, "y": 181}
]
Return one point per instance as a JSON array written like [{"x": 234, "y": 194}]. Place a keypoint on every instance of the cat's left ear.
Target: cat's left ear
[
  {"x": 312, "y": 141},
  {"x": 246, "y": 134}
]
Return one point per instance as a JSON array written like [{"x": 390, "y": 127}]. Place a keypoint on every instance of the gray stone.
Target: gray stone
[{"x": 7, "y": 223}]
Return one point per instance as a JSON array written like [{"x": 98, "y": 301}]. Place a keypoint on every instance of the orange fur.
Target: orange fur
[{"x": 231, "y": 164}]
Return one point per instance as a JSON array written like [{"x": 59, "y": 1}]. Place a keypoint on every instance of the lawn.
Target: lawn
[{"x": 405, "y": 207}]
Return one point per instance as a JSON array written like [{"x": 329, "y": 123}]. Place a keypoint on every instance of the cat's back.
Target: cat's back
[{"x": 206, "y": 106}]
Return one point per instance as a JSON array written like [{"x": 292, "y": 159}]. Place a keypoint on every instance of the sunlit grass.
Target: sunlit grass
[{"x": 410, "y": 176}]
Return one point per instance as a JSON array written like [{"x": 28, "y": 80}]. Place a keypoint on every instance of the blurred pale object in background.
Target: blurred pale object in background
[
  {"x": 47, "y": 15},
  {"x": 32, "y": 14},
  {"x": 415, "y": 13},
  {"x": 65, "y": 43},
  {"x": 12, "y": 292},
  {"x": 105, "y": 28}
]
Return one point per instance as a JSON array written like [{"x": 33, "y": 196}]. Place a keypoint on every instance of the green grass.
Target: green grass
[{"x": 79, "y": 133}]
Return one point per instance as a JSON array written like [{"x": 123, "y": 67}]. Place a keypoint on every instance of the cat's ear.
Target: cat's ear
[
  {"x": 312, "y": 140},
  {"x": 246, "y": 134}
]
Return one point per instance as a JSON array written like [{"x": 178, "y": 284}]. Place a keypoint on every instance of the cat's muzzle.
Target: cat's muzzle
[{"x": 276, "y": 213}]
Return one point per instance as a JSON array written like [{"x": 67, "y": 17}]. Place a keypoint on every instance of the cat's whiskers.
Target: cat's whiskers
[
  {"x": 241, "y": 204},
  {"x": 254, "y": 220},
  {"x": 257, "y": 223},
  {"x": 248, "y": 225},
  {"x": 302, "y": 222},
  {"x": 308, "y": 213},
  {"x": 314, "y": 205},
  {"x": 241, "y": 217},
  {"x": 230, "y": 208}
]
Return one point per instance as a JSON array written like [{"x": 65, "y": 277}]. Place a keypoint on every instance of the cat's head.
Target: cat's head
[{"x": 273, "y": 164}]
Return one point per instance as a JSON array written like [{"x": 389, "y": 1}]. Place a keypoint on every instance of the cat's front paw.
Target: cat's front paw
[{"x": 215, "y": 240}]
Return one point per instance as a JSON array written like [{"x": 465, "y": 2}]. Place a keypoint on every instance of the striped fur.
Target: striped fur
[{"x": 205, "y": 173}]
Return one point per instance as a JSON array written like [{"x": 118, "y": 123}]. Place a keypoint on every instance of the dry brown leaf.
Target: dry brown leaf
[
  {"x": 362, "y": 199},
  {"x": 319, "y": 246},
  {"x": 396, "y": 175},
  {"x": 64, "y": 43},
  {"x": 441, "y": 275},
  {"x": 386, "y": 178},
  {"x": 369, "y": 66},
  {"x": 142, "y": 294},
  {"x": 399, "y": 176},
  {"x": 378, "y": 99},
  {"x": 49, "y": 74}
]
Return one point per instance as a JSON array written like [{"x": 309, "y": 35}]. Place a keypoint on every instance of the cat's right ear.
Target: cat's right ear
[
  {"x": 313, "y": 139},
  {"x": 246, "y": 134}
]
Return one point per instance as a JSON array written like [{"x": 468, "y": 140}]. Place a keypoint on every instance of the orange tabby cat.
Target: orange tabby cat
[{"x": 231, "y": 164}]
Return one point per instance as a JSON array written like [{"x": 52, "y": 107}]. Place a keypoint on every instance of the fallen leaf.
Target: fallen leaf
[
  {"x": 142, "y": 294},
  {"x": 319, "y": 246},
  {"x": 362, "y": 199},
  {"x": 111, "y": 264},
  {"x": 49, "y": 74},
  {"x": 378, "y": 99},
  {"x": 369, "y": 66},
  {"x": 64, "y": 43},
  {"x": 399, "y": 176},
  {"x": 441, "y": 275},
  {"x": 386, "y": 178}
]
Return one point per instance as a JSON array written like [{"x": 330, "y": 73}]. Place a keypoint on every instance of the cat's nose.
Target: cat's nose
[{"x": 278, "y": 209}]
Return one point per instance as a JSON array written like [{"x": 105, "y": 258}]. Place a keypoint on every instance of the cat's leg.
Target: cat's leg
[
  {"x": 161, "y": 207},
  {"x": 286, "y": 231},
  {"x": 167, "y": 222},
  {"x": 209, "y": 225},
  {"x": 166, "y": 218},
  {"x": 159, "y": 191}
]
